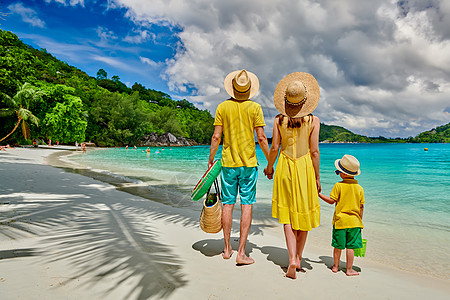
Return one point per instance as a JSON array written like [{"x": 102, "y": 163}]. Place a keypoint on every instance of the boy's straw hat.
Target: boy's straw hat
[
  {"x": 348, "y": 164},
  {"x": 297, "y": 95},
  {"x": 241, "y": 84}
]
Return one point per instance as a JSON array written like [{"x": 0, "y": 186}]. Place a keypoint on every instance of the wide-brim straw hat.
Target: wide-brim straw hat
[
  {"x": 297, "y": 95},
  {"x": 348, "y": 164},
  {"x": 241, "y": 84}
]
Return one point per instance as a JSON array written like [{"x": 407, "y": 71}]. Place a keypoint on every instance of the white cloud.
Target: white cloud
[
  {"x": 28, "y": 15},
  {"x": 150, "y": 62},
  {"x": 140, "y": 37},
  {"x": 68, "y": 2},
  {"x": 116, "y": 63},
  {"x": 105, "y": 34},
  {"x": 383, "y": 65}
]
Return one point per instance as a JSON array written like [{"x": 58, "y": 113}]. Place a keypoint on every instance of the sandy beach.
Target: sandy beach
[{"x": 64, "y": 235}]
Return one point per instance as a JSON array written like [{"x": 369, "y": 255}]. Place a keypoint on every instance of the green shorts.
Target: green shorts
[{"x": 349, "y": 238}]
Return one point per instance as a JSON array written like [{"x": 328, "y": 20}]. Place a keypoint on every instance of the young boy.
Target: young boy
[{"x": 347, "y": 220}]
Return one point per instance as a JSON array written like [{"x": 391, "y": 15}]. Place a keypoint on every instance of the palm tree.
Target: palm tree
[{"x": 19, "y": 105}]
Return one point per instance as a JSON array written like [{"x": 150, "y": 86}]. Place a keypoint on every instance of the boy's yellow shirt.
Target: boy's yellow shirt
[
  {"x": 349, "y": 197},
  {"x": 239, "y": 119}
]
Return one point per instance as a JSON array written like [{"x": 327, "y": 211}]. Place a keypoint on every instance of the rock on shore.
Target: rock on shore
[{"x": 164, "y": 140}]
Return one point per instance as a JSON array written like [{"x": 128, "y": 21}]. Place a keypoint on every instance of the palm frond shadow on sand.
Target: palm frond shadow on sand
[{"x": 99, "y": 238}]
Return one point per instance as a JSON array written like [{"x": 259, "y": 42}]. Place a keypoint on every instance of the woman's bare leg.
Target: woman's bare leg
[{"x": 291, "y": 243}]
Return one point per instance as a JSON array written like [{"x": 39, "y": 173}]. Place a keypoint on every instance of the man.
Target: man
[{"x": 238, "y": 118}]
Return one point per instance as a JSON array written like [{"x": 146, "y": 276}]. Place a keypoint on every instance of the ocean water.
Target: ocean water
[{"x": 407, "y": 190}]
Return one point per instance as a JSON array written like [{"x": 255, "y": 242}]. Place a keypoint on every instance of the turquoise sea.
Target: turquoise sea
[{"x": 407, "y": 190}]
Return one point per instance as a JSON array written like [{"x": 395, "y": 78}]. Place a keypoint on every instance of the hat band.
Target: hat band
[
  {"x": 243, "y": 91},
  {"x": 295, "y": 104},
  {"x": 298, "y": 103},
  {"x": 347, "y": 171}
]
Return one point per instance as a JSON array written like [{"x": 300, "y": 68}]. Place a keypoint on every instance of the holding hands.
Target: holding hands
[{"x": 269, "y": 172}]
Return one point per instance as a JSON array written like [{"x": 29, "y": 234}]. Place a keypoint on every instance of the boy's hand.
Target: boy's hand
[
  {"x": 319, "y": 186},
  {"x": 326, "y": 199}
]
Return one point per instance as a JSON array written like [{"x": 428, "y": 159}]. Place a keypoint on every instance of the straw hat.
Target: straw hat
[
  {"x": 241, "y": 85},
  {"x": 297, "y": 95},
  {"x": 348, "y": 164}
]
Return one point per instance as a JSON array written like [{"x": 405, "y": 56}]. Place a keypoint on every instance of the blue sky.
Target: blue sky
[
  {"x": 94, "y": 35},
  {"x": 383, "y": 66}
]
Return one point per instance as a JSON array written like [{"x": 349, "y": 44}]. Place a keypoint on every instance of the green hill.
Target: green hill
[
  {"x": 439, "y": 134},
  {"x": 337, "y": 134},
  {"x": 73, "y": 106},
  {"x": 332, "y": 133}
]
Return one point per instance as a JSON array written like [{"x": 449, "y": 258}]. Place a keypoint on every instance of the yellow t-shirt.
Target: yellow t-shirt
[
  {"x": 239, "y": 119},
  {"x": 349, "y": 197}
]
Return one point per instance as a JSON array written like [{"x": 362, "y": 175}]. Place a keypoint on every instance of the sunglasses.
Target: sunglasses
[{"x": 337, "y": 172}]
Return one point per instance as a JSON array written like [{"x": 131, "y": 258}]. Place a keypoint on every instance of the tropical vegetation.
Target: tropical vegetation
[
  {"x": 337, "y": 134},
  {"x": 53, "y": 100},
  {"x": 19, "y": 106},
  {"x": 439, "y": 134}
]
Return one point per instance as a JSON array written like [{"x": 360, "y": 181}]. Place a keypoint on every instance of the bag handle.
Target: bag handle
[{"x": 216, "y": 187}]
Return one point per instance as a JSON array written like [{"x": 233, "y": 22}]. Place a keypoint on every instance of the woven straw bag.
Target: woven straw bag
[{"x": 211, "y": 216}]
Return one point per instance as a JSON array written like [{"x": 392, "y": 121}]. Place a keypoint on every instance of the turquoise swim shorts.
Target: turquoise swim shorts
[
  {"x": 349, "y": 238},
  {"x": 242, "y": 179}
]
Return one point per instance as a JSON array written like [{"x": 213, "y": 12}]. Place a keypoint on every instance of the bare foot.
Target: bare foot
[
  {"x": 291, "y": 272},
  {"x": 227, "y": 254},
  {"x": 335, "y": 269},
  {"x": 244, "y": 260},
  {"x": 298, "y": 266},
  {"x": 351, "y": 272}
]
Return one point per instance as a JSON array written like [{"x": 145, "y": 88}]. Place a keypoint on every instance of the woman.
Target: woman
[{"x": 295, "y": 200}]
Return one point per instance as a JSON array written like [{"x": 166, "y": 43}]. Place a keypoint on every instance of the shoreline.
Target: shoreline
[{"x": 49, "y": 210}]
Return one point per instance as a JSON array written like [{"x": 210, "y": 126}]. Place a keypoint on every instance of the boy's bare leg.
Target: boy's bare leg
[
  {"x": 350, "y": 258},
  {"x": 246, "y": 221},
  {"x": 301, "y": 241},
  {"x": 291, "y": 243},
  {"x": 336, "y": 257},
  {"x": 227, "y": 219}
]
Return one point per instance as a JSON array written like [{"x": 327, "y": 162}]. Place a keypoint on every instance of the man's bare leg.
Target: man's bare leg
[
  {"x": 246, "y": 221},
  {"x": 227, "y": 219},
  {"x": 301, "y": 241}
]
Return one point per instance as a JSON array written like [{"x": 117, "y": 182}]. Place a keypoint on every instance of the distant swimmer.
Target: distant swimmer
[
  {"x": 126, "y": 147},
  {"x": 157, "y": 151},
  {"x": 148, "y": 150}
]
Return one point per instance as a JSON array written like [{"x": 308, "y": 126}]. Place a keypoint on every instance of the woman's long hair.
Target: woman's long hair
[{"x": 293, "y": 122}]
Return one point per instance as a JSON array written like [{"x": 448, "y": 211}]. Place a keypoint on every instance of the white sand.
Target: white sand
[{"x": 67, "y": 236}]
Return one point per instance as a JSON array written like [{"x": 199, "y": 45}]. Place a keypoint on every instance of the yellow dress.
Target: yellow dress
[{"x": 295, "y": 199}]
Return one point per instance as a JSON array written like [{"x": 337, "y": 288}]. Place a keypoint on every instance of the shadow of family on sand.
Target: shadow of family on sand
[{"x": 276, "y": 255}]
